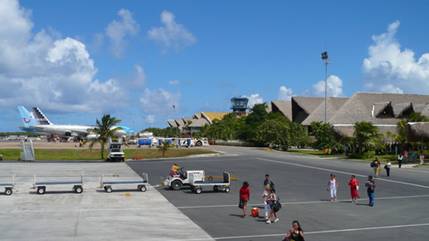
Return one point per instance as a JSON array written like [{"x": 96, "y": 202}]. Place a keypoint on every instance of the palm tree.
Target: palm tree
[
  {"x": 164, "y": 147},
  {"x": 365, "y": 135},
  {"x": 104, "y": 130}
]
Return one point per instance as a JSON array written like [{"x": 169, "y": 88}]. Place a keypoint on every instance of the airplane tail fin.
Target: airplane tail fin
[
  {"x": 27, "y": 117},
  {"x": 40, "y": 117}
]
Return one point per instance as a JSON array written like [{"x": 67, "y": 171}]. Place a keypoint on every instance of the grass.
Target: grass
[
  {"x": 86, "y": 154},
  {"x": 310, "y": 152}
]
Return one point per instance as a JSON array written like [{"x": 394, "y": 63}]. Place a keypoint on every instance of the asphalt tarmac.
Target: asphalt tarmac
[{"x": 401, "y": 210}]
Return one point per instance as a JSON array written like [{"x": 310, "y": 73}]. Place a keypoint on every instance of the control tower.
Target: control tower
[{"x": 239, "y": 105}]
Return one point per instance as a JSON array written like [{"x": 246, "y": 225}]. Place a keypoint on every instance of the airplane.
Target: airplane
[{"x": 38, "y": 122}]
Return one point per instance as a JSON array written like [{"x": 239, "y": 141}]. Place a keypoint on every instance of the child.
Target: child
[
  {"x": 265, "y": 196},
  {"x": 332, "y": 188}
]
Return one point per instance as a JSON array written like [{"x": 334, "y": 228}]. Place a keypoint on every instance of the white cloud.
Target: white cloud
[
  {"x": 45, "y": 70},
  {"x": 171, "y": 34},
  {"x": 389, "y": 88},
  {"x": 174, "y": 82},
  {"x": 149, "y": 119},
  {"x": 254, "y": 99},
  {"x": 334, "y": 84},
  {"x": 159, "y": 101},
  {"x": 394, "y": 69},
  {"x": 118, "y": 30},
  {"x": 285, "y": 93},
  {"x": 140, "y": 75}
]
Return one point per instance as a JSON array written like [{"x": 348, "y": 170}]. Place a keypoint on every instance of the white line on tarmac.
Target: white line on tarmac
[
  {"x": 303, "y": 202},
  {"x": 342, "y": 172},
  {"x": 327, "y": 231}
]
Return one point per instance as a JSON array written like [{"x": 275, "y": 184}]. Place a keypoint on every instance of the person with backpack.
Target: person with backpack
[
  {"x": 275, "y": 205},
  {"x": 244, "y": 197},
  {"x": 370, "y": 189},
  {"x": 295, "y": 233}
]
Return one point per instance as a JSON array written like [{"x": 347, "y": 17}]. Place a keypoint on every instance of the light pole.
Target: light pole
[{"x": 325, "y": 61}]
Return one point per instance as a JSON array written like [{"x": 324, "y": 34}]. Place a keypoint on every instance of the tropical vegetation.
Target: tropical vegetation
[{"x": 104, "y": 130}]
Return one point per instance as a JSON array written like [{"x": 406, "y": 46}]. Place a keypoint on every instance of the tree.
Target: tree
[
  {"x": 273, "y": 133},
  {"x": 164, "y": 147},
  {"x": 417, "y": 117},
  {"x": 324, "y": 133},
  {"x": 104, "y": 130},
  {"x": 164, "y": 132},
  {"x": 256, "y": 117},
  {"x": 402, "y": 127},
  {"x": 365, "y": 136}
]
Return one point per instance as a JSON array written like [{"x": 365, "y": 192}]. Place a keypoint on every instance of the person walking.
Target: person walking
[
  {"x": 422, "y": 158},
  {"x": 378, "y": 167},
  {"x": 295, "y": 233},
  {"x": 244, "y": 197},
  {"x": 400, "y": 159},
  {"x": 265, "y": 195},
  {"x": 374, "y": 166},
  {"x": 268, "y": 181},
  {"x": 332, "y": 187},
  {"x": 354, "y": 188},
  {"x": 387, "y": 168},
  {"x": 275, "y": 205},
  {"x": 370, "y": 189}
]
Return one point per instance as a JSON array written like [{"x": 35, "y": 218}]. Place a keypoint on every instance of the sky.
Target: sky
[{"x": 148, "y": 61}]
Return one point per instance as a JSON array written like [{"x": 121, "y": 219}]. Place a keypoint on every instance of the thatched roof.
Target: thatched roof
[
  {"x": 172, "y": 123},
  {"x": 419, "y": 129},
  {"x": 198, "y": 122},
  {"x": 400, "y": 109},
  {"x": 425, "y": 111},
  {"x": 332, "y": 105},
  {"x": 303, "y": 106},
  {"x": 282, "y": 106},
  {"x": 364, "y": 107},
  {"x": 308, "y": 104}
]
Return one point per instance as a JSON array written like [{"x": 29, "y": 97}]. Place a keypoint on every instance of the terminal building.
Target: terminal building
[{"x": 381, "y": 109}]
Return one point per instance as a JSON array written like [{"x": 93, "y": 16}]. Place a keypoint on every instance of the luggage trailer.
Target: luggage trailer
[
  {"x": 40, "y": 186},
  {"x": 8, "y": 186},
  {"x": 141, "y": 183},
  {"x": 215, "y": 185}
]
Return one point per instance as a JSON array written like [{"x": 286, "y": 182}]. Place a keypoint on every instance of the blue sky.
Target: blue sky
[{"x": 121, "y": 57}]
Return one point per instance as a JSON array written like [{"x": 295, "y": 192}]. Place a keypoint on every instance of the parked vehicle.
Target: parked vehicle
[
  {"x": 176, "y": 182},
  {"x": 201, "y": 142},
  {"x": 115, "y": 152}
]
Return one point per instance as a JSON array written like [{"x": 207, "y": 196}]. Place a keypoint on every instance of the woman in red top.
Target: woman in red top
[
  {"x": 354, "y": 188},
  {"x": 244, "y": 197}
]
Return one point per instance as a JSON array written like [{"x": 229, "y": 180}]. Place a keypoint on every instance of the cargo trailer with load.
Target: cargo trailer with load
[{"x": 212, "y": 184}]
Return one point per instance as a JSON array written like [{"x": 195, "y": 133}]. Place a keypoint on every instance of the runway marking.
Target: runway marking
[
  {"x": 327, "y": 231},
  {"x": 303, "y": 202},
  {"x": 342, "y": 172}
]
